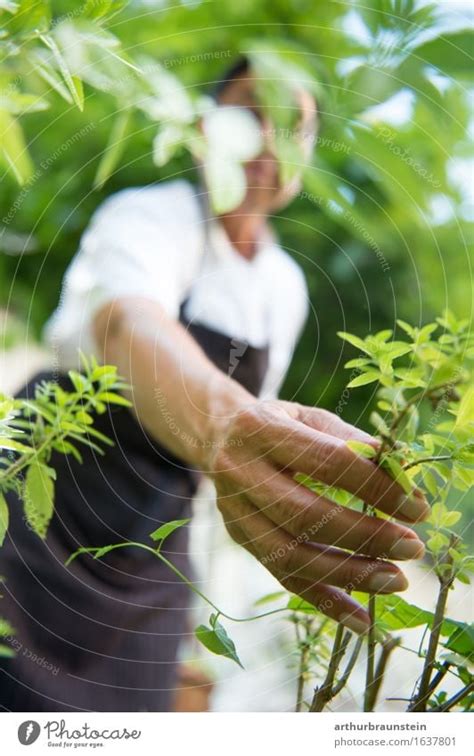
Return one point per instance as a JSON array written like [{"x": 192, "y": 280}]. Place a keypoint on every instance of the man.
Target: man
[{"x": 200, "y": 314}]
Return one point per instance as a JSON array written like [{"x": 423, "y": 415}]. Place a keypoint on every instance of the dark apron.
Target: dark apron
[{"x": 103, "y": 635}]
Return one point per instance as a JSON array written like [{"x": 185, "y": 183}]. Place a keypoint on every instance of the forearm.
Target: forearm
[{"x": 178, "y": 395}]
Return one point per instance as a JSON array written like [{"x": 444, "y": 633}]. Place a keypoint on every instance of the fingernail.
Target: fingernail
[
  {"x": 354, "y": 623},
  {"x": 407, "y": 548},
  {"x": 413, "y": 507},
  {"x": 388, "y": 582}
]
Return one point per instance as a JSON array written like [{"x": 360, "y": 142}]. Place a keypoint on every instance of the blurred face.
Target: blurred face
[{"x": 265, "y": 193}]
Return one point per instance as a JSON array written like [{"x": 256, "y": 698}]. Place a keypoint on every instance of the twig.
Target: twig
[
  {"x": 304, "y": 653},
  {"x": 440, "y": 458},
  {"x": 421, "y": 698},
  {"x": 369, "y": 678},
  {"x": 387, "y": 647},
  {"x": 324, "y": 693},
  {"x": 350, "y": 666},
  {"x": 457, "y": 698}
]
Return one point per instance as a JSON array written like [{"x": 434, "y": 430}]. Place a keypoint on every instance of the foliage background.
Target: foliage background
[{"x": 382, "y": 228}]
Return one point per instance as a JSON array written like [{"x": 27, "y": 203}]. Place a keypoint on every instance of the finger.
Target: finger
[
  {"x": 332, "y": 602},
  {"x": 276, "y": 550},
  {"x": 301, "y": 512},
  {"x": 328, "y": 459},
  {"x": 329, "y": 423}
]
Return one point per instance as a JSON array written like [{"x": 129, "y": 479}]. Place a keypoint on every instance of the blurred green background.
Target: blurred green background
[{"x": 383, "y": 225}]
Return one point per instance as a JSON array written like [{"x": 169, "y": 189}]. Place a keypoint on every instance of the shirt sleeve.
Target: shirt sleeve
[{"x": 140, "y": 243}]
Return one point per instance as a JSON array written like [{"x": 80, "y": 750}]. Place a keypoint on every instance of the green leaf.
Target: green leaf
[
  {"x": 437, "y": 543},
  {"x": 406, "y": 327},
  {"x": 226, "y": 181},
  {"x": 462, "y": 641},
  {"x": 465, "y": 414},
  {"x": 397, "y": 614},
  {"x": 165, "y": 530},
  {"x": 355, "y": 341},
  {"x": 73, "y": 83},
  {"x": 6, "y": 652},
  {"x": 216, "y": 640},
  {"x": 10, "y": 443},
  {"x": 365, "y": 450},
  {"x": 394, "y": 613},
  {"x": 41, "y": 63},
  {"x": 358, "y": 362},
  {"x": 13, "y": 149},
  {"x": 379, "y": 423},
  {"x": 110, "y": 398},
  {"x": 38, "y": 496},
  {"x": 451, "y": 53},
  {"x": 397, "y": 473},
  {"x": 9, "y": 6},
  {"x": 451, "y": 518},
  {"x": 4, "y": 518},
  {"x": 269, "y": 598},
  {"x": 102, "y": 8},
  {"x": 114, "y": 149},
  {"x": 103, "y": 551},
  {"x": 364, "y": 378},
  {"x": 297, "y": 604},
  {"x": 79, "y": 381}
]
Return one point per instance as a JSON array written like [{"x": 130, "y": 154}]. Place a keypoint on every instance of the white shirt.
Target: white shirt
[{"x": 160, "y": 243}]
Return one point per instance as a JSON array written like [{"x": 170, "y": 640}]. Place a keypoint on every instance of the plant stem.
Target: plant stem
[
  {"x": 387, "y": 647},
  {"x": 304, "y": 654},
  {"x": 438, "y": 678},
  {"x": 369, "y": 677},
  {"x": 421, "y": 698},
  {"x": 325, "y": 693},
  {"x": 179, "y": 574},
  {"x": 457, "y": 698},
  {"x": 418, "y": 397},
  {"x": 350, "y": 666},
  {"x": 440, "y": 458}
]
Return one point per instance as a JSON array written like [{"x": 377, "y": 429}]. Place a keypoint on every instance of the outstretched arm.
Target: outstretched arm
[{"x": 252, "y": 449}]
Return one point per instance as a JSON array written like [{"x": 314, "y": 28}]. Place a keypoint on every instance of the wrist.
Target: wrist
[{"x": 226, "y": 398}]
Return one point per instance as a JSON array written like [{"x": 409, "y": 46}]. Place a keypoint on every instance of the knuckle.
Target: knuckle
[
  {"x": 327, "y": 454},
  {"x": 247, "y": 421},
  {"x": 221, "y": 462}
]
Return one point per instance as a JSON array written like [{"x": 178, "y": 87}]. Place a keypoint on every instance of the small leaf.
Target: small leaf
[
  {"x": 365, "y": 450},
  {"x": 165, "y": 530},
  {"x": 13, "y": 149},
  {"x": 6, "y": 652},
  {"x": 462, "y": 641},
  {"x": 110, "y": 398},
  {"x": 355, "y": 341},
  {"x": 9, "y": 443},
  {"x": 79, "y": 381},
  {"x": 216, "y": 640},
  {"x": 38, "y": 498},
  {"x": 364, "y": 379},
  {"x": 397, "y": 473},
  {"x": 103, "y": 551},
  {"x": 297, "y": 604},
  {"x": 4, "y": 518},
  {"x": 113, "y": 151},
  {"x": 73, "y": 83},
  {"x": 269, "y": 598},
  {"x": 450, "y": 519}
]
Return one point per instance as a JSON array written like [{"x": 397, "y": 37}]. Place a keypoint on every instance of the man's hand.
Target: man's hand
[
  {"x": 252, "y": 449},
  {"x": 314, "y": 547}
]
